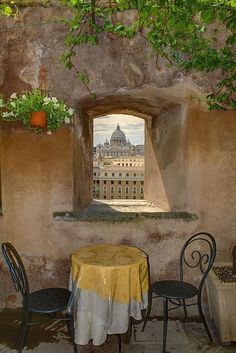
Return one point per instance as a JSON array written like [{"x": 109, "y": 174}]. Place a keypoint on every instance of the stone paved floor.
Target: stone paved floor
[{"x": 51, "y": 337}]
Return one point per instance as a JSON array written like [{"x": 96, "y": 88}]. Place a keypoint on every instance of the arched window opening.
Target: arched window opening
[
  {"x": 118, "y": 140},
  {"x": 164, "y": 172}
]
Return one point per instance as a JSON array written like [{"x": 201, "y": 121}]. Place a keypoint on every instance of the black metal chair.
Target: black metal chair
[
  {"x": 46, "y": 301},
  {"x": 177, "y": 291}
]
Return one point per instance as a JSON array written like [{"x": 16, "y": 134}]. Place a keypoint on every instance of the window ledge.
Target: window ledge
[{"x": 122, "y": 210}]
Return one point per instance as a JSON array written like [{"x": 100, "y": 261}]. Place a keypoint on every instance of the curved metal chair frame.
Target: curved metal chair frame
[
  {"x": 31, "y": 301},
  {"x": 184, "y": 290}
]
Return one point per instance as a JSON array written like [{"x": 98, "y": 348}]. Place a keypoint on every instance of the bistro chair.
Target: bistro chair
[
  {"x": 45, "y": 301},
  {"x": 199, "y": 251}
]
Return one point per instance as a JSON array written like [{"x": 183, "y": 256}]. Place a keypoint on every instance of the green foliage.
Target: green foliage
[
  {"x": 6, "y": 10},
  {"x": 2, "y": 104},
  {"x": 185, "y": 32},
  {"x": 20, "y": 108}
]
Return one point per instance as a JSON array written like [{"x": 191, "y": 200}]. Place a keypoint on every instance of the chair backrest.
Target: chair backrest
[
  {"x": 199, "y": 251},
  {"x": 17, "y": 269}
]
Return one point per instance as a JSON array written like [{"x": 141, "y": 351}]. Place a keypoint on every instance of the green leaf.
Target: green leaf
[
  {"x": 83, "y": 77},
  {"x": 231, "y": 39},
  {"x": 233, "y": 104},
  {"x": 93, "y": 40},
  {"x": 6, "y": 10},
  {"x": 207, "y": 16},
  {"x": 233, "y": 3},
  {"x": 171, "y": 29},
  {"x": 93, "y": 95}
]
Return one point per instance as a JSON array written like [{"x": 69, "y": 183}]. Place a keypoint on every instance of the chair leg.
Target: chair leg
[
  {"x": 23, "y": 331},
  {"x": 199, "y": 303},
  {"x": 146, "y": 318},
  {"x": 119, "y": 342},
  {"x": 126, "y": 337},
  {"x": 68, "y": 324},
  {"x": 185, "y": 310},
  {"x": 72, "y": 332},
  {"x": 165, "y": 324},
  {"x": 148, "y": 310}
]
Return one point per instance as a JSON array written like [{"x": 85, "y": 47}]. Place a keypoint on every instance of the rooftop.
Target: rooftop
[{"x": 119, "y": 168}]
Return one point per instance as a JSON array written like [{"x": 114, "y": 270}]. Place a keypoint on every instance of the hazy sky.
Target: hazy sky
[{"x": 132, "y": 127}]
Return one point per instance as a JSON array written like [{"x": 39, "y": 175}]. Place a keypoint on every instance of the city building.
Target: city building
[
  {"x": 118, "y": 169},
  {"x": 118, "y": 146},
  {"x": 115, "y": 182}
]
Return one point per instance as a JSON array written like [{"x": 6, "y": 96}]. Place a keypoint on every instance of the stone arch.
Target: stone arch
[{"x": 165, "y": 144}]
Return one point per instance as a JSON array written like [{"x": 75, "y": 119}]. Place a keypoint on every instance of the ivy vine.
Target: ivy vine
[
  {"x": 175, "y": 29},
  {"x": 186, "y": 33}
]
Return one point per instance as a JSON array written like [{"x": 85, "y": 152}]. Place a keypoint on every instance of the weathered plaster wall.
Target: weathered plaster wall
[
  {"x": 37, "y": 174},
  {"x": 39, "y": 171},
  {"x": 37, "y": 180},
  {"x": 36, "y": 39},
  {"x": 211, "y": 178}
]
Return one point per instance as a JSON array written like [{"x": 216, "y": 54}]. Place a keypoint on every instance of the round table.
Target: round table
[{"x": 109, "y": 284}]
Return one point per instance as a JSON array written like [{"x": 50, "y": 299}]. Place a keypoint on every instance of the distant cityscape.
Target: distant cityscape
[
  {"x": 132, "y": 126},
  {"x": 118, "y": 168}
]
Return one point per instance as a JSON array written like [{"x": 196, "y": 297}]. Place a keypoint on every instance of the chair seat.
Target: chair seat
[
  {"x": 48, "y": 300},
  {"x": 174, "y": 289}
]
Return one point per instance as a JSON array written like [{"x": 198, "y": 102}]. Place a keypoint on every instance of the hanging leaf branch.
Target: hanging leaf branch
[
  {"x": 188, "y": 34},
  {"x": 177, "y": 30}
]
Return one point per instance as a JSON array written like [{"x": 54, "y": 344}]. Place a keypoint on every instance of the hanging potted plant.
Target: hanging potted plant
[{"x": 37, "y": 110}]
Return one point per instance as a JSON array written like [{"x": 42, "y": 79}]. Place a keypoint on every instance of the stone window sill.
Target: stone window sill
[{"x": 122, "y": 210}]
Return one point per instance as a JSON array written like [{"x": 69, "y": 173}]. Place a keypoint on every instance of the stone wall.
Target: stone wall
[
  {"x": 191, "y": 151},
  {"x": 212, "y": 174}
]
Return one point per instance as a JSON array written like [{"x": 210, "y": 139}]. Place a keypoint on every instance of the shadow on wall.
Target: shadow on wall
[{"x": 167, "y": 150}]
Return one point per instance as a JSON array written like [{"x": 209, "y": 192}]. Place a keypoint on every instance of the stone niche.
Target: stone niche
[{"x": 165, "y": 144}]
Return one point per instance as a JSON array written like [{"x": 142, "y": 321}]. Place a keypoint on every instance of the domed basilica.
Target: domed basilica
[{"x": 118, "y": 146}]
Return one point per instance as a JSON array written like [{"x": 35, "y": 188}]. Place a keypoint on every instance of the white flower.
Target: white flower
[
  {"x": 13, "y": 104},
  {"x": 67, "y": 120},
  {"x": 24, "y": 96},
  {"x": 7, "y": 114},
  {"x": 54, "y": 99},
  {"x": 56, "y": 105},
  {"x": 46, "y": 100},
  {"x": 14, "y": 95},
  {"x": 70, "y": 111},
  {"x": 49, "y": 132}
]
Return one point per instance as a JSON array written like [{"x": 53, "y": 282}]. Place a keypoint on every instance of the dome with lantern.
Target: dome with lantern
[
  {"x": 118, "y": 137},
  {"x": 119, "y": 146}
]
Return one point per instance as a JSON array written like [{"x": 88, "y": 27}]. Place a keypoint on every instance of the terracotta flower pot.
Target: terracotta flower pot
[{"x": 38, "y": 119}]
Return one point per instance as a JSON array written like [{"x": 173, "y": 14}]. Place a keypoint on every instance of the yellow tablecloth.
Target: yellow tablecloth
[
  {"x": 112, "y": 271},
  {"x": 109, "y": 284}
]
